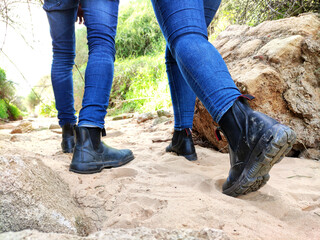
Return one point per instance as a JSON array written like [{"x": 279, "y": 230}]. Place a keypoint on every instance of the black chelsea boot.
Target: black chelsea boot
[{"x": 256, "y": 143}]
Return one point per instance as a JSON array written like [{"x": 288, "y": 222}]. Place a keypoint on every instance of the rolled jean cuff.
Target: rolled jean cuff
[
  {"x": 64, "y": 122},
  {"x": 83, "y": 123}
]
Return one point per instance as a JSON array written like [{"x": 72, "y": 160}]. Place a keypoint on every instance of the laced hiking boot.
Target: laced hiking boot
[
  {"x": 256, "y": 143},
  {"x": 67, "y": 143},
  {"x": 182, "y": 144},
  {"x": 91, "y": 155}
]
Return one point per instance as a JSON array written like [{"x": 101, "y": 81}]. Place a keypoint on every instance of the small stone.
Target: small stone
[
  {"x": 159, "y": 120},
  {"x": 122, "y": 116},
  {"x": 59, "y": 131},
  {"x": 16, "y": 130},
  {"x": 165, "y": 113},
  {"x": 54, "y": 126},
  {"x": 23, "y": 127},
  {"x": 144, "y": 117}
]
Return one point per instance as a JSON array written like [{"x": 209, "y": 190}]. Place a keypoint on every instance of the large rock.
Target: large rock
[
  {"x": 32, "y": 196},
  {"x": 124, "y": 234},
  {"x": 278, "y": 63}
]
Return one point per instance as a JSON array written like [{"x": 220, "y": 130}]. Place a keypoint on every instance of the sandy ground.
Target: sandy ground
[{"x": 161, "y": 190}]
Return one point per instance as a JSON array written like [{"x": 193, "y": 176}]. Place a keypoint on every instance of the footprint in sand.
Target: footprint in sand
[
  {"x": 206, "y": 186},
  {"x": 254, "y": 196},
  {"x": 219, "y": 184},
  {"x": 124, "y": 172},
  {"x": 311, "y": 207},
  {"x": 145, "y": 207}
]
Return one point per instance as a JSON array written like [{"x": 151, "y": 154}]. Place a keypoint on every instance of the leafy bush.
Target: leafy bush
[
  {"x": 254, "y": 12},
  {"x": 48, "y": 110},
  {"x": 7, "y": 89},
  {"x": 138, "y": 32},
  {"x": 7, "y": 92},
  {"x": 32, "y": 100},
  {"x": 140, "y": 85},
  {"x": 3, "y": 109},
  {"x": 14, "y": 112},
  {"x": 81, "y": 47}
]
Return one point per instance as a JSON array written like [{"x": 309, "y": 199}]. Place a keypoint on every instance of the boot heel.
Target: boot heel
[
  {"x": 191, "y": 157},
  {"x": 85, "y": 168}
]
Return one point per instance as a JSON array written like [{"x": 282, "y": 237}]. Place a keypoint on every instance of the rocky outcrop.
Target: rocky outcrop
[
  {"x": 32, "y": 196},
  {"x": 278, "y": 62},
  {"x": 124, "y": 234}
]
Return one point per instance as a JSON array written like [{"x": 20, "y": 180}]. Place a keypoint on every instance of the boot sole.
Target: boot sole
[
  {"x": 69, "y": 150},
  {"x": 190, "y": 157},
  {"x": 270, "y": 149},
  {"x": 96, "y": 167}
]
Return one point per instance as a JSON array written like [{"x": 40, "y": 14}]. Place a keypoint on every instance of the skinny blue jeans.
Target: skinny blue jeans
[
  {"x": 194, "y": 66},
  {"x": 101, "y": 17}
]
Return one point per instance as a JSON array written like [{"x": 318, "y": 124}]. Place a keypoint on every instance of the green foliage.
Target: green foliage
[
  {"x": 140, "y": 85},
  {"x": 81, "y": 47},
  {"x": 48, "y": 110},
  {"x": 254, "y": 12},
  {"x": 78, "y": 86},
  {"x": 7, "y": 92},
  {"x": 3, "y": 76},
  {"x": 14, "y": 111},
  {"x": 32, "y": 99},
  {"x": 19, "y": 102},
  {"x": 3, "y": 109},
  {"x": 138, "y": 32},
  {"x": 140, "y": 82},
  {"x": 7, "y": 89}
]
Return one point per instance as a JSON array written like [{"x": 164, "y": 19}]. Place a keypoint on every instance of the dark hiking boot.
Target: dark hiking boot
[
  {"x": 67, "y": 143},
  {"x": 256, "y": 143},
  {"x": 91, "y": 155},
  {"x": 182, "y": 144}
]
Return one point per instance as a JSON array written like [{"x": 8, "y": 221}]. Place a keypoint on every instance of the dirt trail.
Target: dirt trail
[{"x": 161, "y": 190}]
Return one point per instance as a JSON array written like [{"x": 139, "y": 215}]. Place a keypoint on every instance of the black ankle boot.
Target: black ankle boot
[
  {"x": 91, "y": 155},
  {"x": 67, "y": 143},
  {"x": 256, "y": 143},
  {"x": 182, "y": 144}
]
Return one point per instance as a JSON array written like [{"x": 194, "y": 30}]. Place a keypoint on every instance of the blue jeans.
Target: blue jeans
[
  {"x": 192, "y": 61},
  {"x": 101, "y": 18}
]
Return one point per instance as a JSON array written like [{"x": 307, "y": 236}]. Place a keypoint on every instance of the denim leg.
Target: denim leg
[
  {"x": 182, "y": 96},
  {"x": 101, "y": 18},
  {"x": 183, "y": 24},
  {"x": 63, "y": 46}
]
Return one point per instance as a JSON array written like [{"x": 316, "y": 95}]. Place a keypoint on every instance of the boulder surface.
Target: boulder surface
[{"x": 32, "y": 196}]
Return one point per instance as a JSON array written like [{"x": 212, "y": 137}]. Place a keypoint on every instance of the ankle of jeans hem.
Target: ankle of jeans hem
[
  {"x": 182, "y": 128},
  {"x": 62, "y": 123},
  {"x": 91, "y": 124}
]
